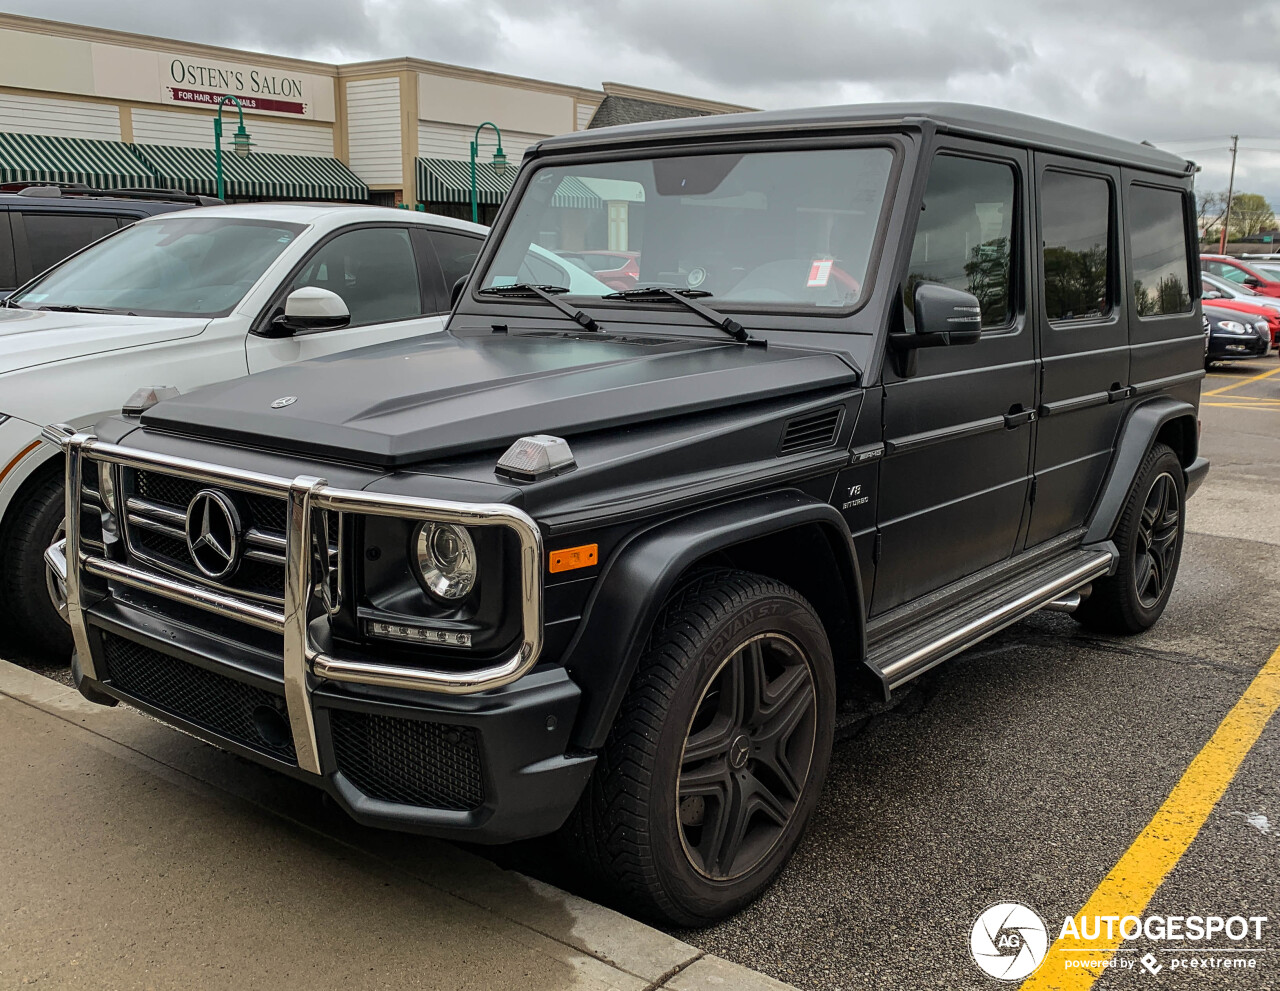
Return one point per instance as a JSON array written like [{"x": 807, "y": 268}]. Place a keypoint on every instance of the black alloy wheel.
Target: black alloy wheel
[
  {"x": 1156, "y": 544},
  {"x": 747, "y": 756}
]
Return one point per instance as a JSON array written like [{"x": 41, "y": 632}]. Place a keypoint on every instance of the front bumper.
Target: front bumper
[{"x": 475, "y": 754}]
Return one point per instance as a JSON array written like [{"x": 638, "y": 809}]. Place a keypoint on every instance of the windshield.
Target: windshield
[
  {"x": 180, "y": 267},
  {"x": 793, "y": 228}
]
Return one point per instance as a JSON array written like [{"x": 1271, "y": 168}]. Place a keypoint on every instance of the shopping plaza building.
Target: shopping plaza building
[{"x": 115, "y": 110}]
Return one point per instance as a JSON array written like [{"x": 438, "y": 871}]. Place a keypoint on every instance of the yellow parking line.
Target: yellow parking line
[
  {"x": 1253, "y": 378},
  {"x": 1133, "y": 881},
  {"x": 1261, "y": 409}
]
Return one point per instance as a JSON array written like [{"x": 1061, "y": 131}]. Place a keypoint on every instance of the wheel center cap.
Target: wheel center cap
[{"x": 739, "y": 751}]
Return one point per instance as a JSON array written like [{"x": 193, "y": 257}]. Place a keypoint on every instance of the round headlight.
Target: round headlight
[{"x": 446, "y": 559}]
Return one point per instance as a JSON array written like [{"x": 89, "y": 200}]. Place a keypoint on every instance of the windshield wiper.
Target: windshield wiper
[
  {"x": 689, "y": 299},
  {"x": 72, "y": 308},
  {"x": 526, "y": 290}
]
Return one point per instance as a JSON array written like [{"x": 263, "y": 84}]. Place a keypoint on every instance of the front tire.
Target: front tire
[
  {"x": 715, "y": 762},
  {"x": 1149, "y": 538},
  {"x": 24, "y": 591}
]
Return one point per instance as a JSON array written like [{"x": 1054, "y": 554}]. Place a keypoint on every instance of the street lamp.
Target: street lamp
[
  {"x": 240, "y": 142},
  {"x": 499, "y": 165}
]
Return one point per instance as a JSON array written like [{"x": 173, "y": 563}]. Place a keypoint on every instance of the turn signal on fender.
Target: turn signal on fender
[{"x": 572, "y": 558}]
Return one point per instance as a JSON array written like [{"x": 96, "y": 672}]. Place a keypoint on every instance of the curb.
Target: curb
[{"x": 618, "y": 950}]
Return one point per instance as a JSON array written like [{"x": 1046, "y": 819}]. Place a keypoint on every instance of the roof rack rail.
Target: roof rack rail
[{"x": 24, "y": 188}]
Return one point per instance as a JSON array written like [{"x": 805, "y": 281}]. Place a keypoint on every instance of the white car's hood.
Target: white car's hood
[{"x": 39, "y": 337}]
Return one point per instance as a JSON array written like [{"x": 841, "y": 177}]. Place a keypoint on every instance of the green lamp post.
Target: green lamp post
[
  {"x": 499, "y": 166},
  {"x": 240, "y": 141}
]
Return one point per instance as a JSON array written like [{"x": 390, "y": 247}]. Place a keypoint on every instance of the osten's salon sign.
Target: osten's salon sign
[{"x": 205, "y": 83}]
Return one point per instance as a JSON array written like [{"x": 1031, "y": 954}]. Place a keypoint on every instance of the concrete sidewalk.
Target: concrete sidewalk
[{"x": 136, "y": 857}]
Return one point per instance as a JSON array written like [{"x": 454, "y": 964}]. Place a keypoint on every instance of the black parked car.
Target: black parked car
[
  {"x": 891, "y": 379},
  {"x": 41, "y": 224},
  {"x": 1235, "y": 336}
]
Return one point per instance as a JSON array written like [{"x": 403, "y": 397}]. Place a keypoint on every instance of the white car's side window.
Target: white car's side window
[{"x": 373, "y": 269}]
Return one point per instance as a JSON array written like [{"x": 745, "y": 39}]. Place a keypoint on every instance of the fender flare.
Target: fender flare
[
  {"x": 641, "y": 574},
  {"x": 1136, "y": 437}
]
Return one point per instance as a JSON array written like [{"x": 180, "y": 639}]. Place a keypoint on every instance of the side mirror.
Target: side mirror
[
  {"x": 310, "y": 310},
  {"x": 1211, "y": 294},
  {"x": 944, "y": 316},
  {"x": 1251, "y": 282},
  {"x": 455, "y": 293}
]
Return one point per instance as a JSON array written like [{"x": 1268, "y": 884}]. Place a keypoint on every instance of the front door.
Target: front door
[
  {"x": 380, "y": 277},
  {"x": 1084, "y": 342},
  {"x": 955, "y": 476}
]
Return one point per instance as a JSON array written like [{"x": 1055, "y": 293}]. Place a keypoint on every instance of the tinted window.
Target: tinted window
[
  {"x": 53, "y": 236},
  {"x": 373, "y": 270},
  {"x": 457, "y": 253},
  {"x": 175, "y": 266},
  {"x": 965, "y": 235},
  {"x": 1229, "y": 272},
  {"x": 1158, "y": 240},
  {"x": 1076, "y": 227},
  {"x": 8, "y": 275}
]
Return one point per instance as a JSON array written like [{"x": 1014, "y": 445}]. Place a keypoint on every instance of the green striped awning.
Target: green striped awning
[
  {"x": 294, "y": 177},
  {"x": 97, "y": 163},
  {"x": 445, "y": 180}
]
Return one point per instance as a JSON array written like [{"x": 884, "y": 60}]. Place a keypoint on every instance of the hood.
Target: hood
[
  {"x": 402, "y": 403},
  {"x": 38, "y": 337}
]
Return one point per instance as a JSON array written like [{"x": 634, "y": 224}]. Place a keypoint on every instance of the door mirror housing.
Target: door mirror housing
[
  {"x": 1211, "y": 294},
  {"x": 944, "y": 316},
  {"x": 310, "y": 310},
  {"x": 455, "y": 293},
  {"x": 1251, "y": 282}
]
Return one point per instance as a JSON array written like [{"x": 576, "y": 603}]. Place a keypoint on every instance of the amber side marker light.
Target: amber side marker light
[{"x": 572, "y": 558}]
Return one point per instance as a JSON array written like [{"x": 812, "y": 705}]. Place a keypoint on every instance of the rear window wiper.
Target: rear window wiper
[
  {"x": 526, "y": 290},
  {"x": 688, "y": 298}
]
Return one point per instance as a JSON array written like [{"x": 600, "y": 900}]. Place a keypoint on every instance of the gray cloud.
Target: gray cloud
[{"x": 1142, "y": 69}]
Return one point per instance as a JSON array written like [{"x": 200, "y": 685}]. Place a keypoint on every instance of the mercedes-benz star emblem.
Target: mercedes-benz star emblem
[
  {"x": 213, "y": 533},
  {"x": 284, "y": 401}
]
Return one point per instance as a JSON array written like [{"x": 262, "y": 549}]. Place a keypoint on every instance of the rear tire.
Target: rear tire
[
  {"x": 24, "y": 593},
  {"x": 717, "y": 756},
  {"x": 1149, "y": 538}
]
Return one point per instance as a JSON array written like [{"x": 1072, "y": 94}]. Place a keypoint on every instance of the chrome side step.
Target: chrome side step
[{"x": 898, "y": 660}]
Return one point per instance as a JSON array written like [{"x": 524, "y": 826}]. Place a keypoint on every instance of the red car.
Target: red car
[
  {"x": 618, "y": 270},
  {"x": 1234, "y": 270}
]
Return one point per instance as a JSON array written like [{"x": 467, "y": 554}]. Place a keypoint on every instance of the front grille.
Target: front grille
[
  {"x": 430, "y": 765},
  {"x": 251, "y": 716}
]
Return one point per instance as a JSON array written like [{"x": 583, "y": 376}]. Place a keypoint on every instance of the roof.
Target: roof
[
  {"x": 615, "y": 110},
  {"x": 957, "y": 118},
  {"x": 332, "y": 215}
]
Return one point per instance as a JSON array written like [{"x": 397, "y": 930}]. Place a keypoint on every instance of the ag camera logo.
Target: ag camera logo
[{"x": 1008, "y": 941}]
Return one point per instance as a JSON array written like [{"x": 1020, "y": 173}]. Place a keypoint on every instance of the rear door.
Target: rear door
[
  {"x": 955, "y": 474},
  {"x": 382, "y": 276},
  {"x": 1083, "y": 334}
]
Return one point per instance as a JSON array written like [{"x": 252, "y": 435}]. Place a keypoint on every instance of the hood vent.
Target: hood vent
[{"x": 811, "y": 431}]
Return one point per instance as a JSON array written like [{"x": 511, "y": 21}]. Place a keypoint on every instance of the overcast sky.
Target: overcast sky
[{"x": 1182, "y": 75}]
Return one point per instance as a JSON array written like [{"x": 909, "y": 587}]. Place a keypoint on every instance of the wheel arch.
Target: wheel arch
[
  {"x": 786, "y": 535},
  {"x": 32, "y": 472},
  {"x": 1162, "y": 419}
]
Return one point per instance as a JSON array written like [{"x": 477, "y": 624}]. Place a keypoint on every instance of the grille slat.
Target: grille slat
[
  {"x": 431, "y": 765},
  {"x": 811, "y": 431},
  {"x": 215, "y": 702}
]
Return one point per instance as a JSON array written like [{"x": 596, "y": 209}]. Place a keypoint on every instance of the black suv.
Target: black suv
[
  {"x": 41, "y": 224},
  {"x": 609, "y": 564}
]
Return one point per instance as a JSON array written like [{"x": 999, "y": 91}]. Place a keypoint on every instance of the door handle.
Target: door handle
[
  {"x": 1017, "y": 416},
  {"x": 1118, "y": 393}
]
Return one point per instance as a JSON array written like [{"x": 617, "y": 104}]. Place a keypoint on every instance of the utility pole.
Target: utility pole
[{"x": 1231, "y": 185}]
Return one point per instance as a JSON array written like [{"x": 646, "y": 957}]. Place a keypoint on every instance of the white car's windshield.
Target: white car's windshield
[
  {"x": 175, "y": 266},
  {"x": 791, "y": 228}
]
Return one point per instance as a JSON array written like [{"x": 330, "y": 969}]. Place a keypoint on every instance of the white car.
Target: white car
[
  {"x": 188, "y": 299},
  {"x": 1229, "y": 290}
]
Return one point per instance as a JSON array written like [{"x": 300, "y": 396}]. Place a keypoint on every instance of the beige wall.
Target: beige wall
[{"x": 471, "y": 101}]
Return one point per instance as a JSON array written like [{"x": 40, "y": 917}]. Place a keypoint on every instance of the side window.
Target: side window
[
  {"x": 1075, "y": 223},
  {"x": 965, "y": 236},
  {"x": 1158, "y": 244},
  {"x": 1233, "y": 274},
  {"x": 8, "y": 271},
  {"x": 372, "y": 269},
  {"x": 53, "y": 236},
  {"x": 457, "y": 253}
]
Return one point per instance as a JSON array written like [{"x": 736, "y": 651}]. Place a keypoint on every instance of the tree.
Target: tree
[
  {"x": 1210, "y": 208},
  {"x": 1250, "y": 214}
]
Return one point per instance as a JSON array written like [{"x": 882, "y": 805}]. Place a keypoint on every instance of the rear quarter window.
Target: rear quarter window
[{"x": 1158, "y": 245}]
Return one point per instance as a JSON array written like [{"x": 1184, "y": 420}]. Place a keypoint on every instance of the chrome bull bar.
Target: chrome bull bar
[{"x": 302, "y": 657}]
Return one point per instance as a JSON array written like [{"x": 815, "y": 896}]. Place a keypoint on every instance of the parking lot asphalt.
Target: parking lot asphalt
[{"x": 1019, "y": 771}]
